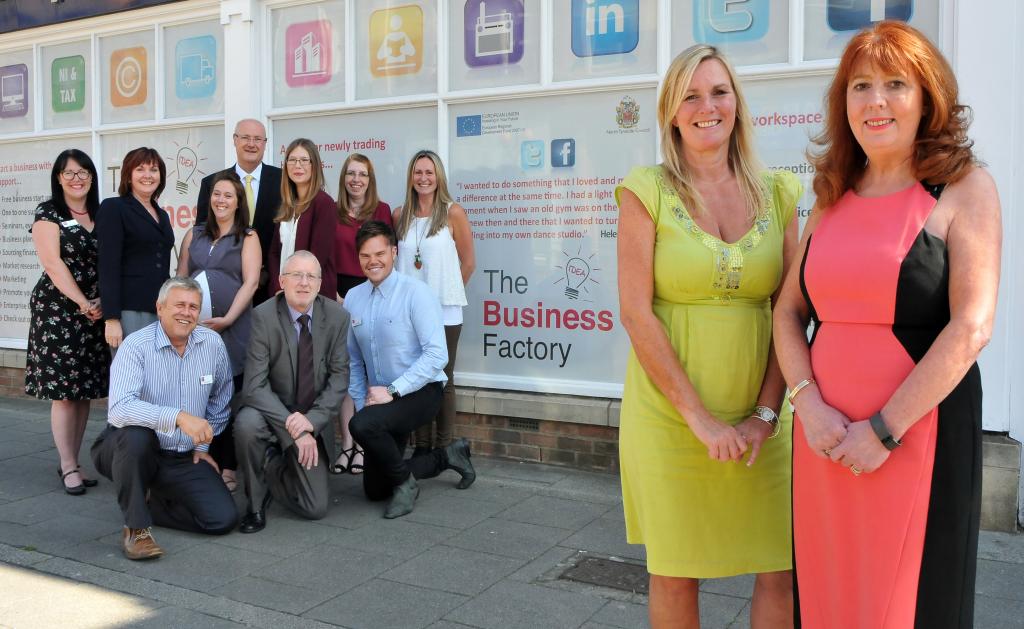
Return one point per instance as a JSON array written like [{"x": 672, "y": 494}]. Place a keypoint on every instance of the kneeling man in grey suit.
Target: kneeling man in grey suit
[{"x": 296, "y": 373}]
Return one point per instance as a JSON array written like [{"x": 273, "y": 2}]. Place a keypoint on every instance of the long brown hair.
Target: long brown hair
[
  {"x": 942, "y": 150},
  {"x": 742, "y": 158},
  {"x": 442, "y": 199},
  {"x": 370, "y": 200},
  {"x": 291, "y": 205},
  {"x": 241, "y": 220}
]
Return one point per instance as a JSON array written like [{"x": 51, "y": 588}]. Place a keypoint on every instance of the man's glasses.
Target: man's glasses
[
  {"x": 250, "y": 139},
  {"x": 70, "y": 175},
  {"x": 302, "y": 277}
]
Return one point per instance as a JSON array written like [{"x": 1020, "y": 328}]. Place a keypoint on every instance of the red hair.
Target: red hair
[{"x": 942, "y": 150}]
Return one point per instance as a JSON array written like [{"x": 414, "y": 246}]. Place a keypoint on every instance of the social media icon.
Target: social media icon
[
  {"x": 67, "y": 83},
  {"x": 531, "y": 154},
  {"x": 14, "y": 90},
  {"x": 493, "y": 32},
  {"x": 396, "y": 41},
  {"x": 563, "y": 152},
  {"x": 468, "y": 125},
  {"x": 307, "y": 50},
  {"x": 604, "y": 27},
  {"x": 195, "y": 64},
  {"x": 727, "y": 21},
  {"x": 129, "y": 82},
  {"x": 853, "y": 15}
]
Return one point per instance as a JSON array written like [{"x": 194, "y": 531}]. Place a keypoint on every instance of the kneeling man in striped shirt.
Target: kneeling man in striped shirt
[{"x": 170, "y": 388}]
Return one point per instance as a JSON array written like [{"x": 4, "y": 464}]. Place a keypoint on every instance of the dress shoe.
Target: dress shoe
[
  {"x": 139, "y": 544},
  {"x": 255, "y": 522},
  {"x": 457, "y": 455},
  {"x": 74, "y": 490},
  {"x": 403, "y": 500}
]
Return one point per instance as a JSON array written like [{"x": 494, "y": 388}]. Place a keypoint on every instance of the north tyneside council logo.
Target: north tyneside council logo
[{"x": 627, "y": 113}]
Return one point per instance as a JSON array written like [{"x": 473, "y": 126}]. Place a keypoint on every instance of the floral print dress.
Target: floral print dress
[{"x": 68, "y": 358}]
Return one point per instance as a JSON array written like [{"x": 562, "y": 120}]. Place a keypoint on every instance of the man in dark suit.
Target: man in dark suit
[
  {"x": 262, "y": 183},
  {"x": 296, "y": 374}
]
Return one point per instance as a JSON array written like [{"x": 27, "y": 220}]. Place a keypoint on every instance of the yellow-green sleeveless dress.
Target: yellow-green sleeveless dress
[{"x": 699, "y": 517}]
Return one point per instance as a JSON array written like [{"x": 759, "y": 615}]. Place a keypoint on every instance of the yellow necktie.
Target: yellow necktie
[{"x": 250, "y": 197}]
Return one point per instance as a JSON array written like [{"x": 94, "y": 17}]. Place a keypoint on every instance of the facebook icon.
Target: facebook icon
[{"x": 563, "y": 152}]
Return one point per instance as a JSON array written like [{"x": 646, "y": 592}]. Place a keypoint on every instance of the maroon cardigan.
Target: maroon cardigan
[{"x": 315, "y": 233}]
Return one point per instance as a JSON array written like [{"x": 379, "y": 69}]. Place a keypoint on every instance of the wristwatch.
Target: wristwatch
[
  {"x": 769, "y": 417},
  {"x": 882, "y": 432},
  {"x": 393, "y": 392}
]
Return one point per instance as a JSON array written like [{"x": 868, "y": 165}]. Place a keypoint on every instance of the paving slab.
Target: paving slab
[
  {"x": 328, "y": 568},
  {"x": 454, "y": 570},
  {"x": 554, "y": 512},
  {"x": 510, "y": 539},
  {"x": 513, "y": 605},
  {"x": 383, "y": 604},
  {"x": 284, "y": 597}
]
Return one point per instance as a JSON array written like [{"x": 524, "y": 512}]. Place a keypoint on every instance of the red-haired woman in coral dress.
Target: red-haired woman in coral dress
[{"x": 900, "y": 266}]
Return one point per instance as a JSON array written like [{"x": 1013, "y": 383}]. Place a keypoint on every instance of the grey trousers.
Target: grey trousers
[{"x": 304, "y": 492}]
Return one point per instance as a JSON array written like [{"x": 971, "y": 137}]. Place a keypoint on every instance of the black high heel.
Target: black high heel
[
  {"x": 346, "y": 455},
  {"x": 77, "y": 490}
]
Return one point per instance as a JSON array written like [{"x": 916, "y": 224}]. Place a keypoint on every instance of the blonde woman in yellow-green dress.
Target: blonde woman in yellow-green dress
[{"x": 704, "y": 242}]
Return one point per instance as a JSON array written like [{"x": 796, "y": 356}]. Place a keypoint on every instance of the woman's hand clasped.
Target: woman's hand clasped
[
  {"x": 724, "y": 442},
  {"x": 824, "y": 427},
  {"x": 112, "y": 332},
  {"x": 861, "y": 451},
  {"x": 754, "y": 431}
]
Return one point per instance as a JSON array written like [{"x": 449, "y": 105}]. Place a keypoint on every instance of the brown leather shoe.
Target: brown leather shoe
[{"x": 139, "y": 544}]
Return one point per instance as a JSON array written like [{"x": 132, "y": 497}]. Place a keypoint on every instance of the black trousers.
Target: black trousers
[
  {"x": 382, "y": 430},
  {"x": 182, "y": 494}
]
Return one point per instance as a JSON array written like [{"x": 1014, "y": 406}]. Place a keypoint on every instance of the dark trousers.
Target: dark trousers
[
  {"x": 304, "y": 492},
  {"x": 222, "y": 449},
  {"x": 383, "y": 430},
  {"x": 182, "y": 494},
  {"x": 445, "y": 419}
]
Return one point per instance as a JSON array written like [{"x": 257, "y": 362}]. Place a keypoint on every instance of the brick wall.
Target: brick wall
[
  {"x": 581, "y": 446},
  {"x": 12, "y": 382}
]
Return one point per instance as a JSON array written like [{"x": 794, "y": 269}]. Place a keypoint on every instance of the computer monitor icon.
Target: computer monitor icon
[
  {"x": 12, "y": 92},
  {"x": 493, "y": 33}
]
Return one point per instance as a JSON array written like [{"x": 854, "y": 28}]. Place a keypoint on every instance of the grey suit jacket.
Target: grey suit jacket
[{"x": 272, "y": 359}]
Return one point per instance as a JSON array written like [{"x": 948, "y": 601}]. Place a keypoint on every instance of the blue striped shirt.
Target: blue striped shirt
[
  {"x": 396, "y": 336},
  {"x": 150, "y": 384}
]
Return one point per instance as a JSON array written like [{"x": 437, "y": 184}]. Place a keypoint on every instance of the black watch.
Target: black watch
[
  {"x": 393, "y": 392},
  {"x": 882, "y": 432}
]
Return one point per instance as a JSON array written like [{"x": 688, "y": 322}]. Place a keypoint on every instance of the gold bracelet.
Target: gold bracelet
[{"x": 798, "y": 388}]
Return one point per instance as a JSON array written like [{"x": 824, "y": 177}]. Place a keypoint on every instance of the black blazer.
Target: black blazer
[
  {"x": 134, "y": 255},
  {"x": 268, "y": 201}
]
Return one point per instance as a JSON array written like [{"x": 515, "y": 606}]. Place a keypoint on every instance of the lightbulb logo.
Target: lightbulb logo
[
  {"x": 186, "y": 165},
  {"x": 579, "y": 271}
]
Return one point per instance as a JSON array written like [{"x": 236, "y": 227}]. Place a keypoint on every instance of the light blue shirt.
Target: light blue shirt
[
  {"x": 295, "y": 314},
  {"x": 150, "y": 384},
  {"x": 396, "y": 336}
]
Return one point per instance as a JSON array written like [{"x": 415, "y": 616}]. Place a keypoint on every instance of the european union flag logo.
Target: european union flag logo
[{"x": 467, "y": 125}]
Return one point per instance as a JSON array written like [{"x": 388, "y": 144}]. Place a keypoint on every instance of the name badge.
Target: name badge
[
  {"x": 356, "y": 323},
  {"x": 207, "y": 379},
  {"x": 71, "y": 223}
]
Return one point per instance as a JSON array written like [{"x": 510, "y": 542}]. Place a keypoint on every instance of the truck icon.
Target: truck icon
[{"x": 194, "y": 70}]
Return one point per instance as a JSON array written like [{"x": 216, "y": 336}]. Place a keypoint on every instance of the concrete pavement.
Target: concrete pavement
[{"x": 487, "y": 557}]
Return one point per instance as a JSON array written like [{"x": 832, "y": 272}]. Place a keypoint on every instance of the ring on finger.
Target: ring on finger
[
  {"x": 856, "y": 470},
  {"x": 827, "y": 451}
]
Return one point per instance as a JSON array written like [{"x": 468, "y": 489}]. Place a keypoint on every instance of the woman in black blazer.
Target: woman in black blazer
[{"x": 135, "y": 239}]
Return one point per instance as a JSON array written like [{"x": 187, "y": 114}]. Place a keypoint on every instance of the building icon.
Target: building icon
[
  {"x": 308, "y": 60},
  {"x": 307, "y": 53}
]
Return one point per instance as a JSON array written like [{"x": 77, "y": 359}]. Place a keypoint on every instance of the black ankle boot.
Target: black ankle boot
[{"x": 457, "y": 457}]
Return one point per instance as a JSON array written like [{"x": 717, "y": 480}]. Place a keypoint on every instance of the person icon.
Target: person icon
[{"x": 396, "y": 48}]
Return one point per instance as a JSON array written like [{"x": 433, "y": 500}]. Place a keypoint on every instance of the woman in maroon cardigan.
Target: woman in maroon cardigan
[
  {"x": 357, "y": 203},
  {"x": 306, "y": 219}
]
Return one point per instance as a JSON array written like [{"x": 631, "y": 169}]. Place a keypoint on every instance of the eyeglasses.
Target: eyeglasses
[
  {"x": 356, "y": 174},
  {"x": 302, "y": 277},
  {"x": 69, "y": 175},
  {"x": 298, "y": 161},
  {"x": 250, "y": 139}
]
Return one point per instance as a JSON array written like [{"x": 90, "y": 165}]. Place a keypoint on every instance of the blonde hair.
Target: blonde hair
[
  {"x": 291, "y": 205},
  {"x": 442, "y": 199},
  {"x": 742, "y": 159}
]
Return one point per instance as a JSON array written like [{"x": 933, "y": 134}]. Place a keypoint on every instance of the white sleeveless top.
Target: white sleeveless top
[{"x": 440, "y": 270}]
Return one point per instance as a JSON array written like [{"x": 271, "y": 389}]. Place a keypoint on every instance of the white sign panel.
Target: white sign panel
[
  {"x": 536, "y": 177},
  {"x": 24, "y": 184}
]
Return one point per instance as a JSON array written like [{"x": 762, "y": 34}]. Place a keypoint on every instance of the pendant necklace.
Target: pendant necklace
[{"x": 418, "y": 261}]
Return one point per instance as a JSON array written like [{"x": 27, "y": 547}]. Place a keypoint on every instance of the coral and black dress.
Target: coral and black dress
[{"x": 895, "y": 548}]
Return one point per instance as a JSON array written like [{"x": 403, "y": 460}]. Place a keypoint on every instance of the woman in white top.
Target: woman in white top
[{"x": 436, "y": 246}]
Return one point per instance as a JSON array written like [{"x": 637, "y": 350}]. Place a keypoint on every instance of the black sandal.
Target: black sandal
[
  {"x": 77, "y": 490},
  {"x": 356, "y": 468},
  {"x": 338, "y": 467}
]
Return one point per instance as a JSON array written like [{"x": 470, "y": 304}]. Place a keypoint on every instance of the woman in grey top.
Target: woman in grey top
[{"x": 224, "y": 256}]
